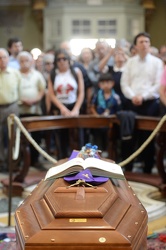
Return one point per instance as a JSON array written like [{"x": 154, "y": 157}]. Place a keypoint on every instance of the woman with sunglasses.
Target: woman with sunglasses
[{"x": 66, "y": 92}]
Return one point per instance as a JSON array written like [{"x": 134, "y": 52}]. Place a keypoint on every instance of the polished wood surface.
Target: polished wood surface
[
  {"x": 86, "y": 121},
  {"x": 53, "y": 218}
]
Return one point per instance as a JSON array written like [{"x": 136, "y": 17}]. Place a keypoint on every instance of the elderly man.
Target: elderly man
[
  {"x": 140, "y": 85},
  {"x": 9, "y": 94},
  {"x": 98, "y": 66}
]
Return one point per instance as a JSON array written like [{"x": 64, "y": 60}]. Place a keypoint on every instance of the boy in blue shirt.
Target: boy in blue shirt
[{"x": 104, "y": 102}]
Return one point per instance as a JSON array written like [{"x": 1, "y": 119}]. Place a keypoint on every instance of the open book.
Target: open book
[{"x": 96, "y": 166}]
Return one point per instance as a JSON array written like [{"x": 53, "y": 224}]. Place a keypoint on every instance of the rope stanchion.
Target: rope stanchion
[
  {"x": 10, "y": 122},
  {"x": 51, "y": 159},
  {"x": 142, "y": 147},
  {"x": 29, "y": 138}
]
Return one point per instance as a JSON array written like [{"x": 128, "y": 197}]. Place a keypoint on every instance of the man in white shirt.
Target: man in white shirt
[{"x": 140, "y": 83}]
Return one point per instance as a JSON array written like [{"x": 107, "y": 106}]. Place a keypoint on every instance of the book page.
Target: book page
[
  {"x": 65, "y": 167},
  {"x": 97, "y": 166},
  {"x": 103, "y": 165}
]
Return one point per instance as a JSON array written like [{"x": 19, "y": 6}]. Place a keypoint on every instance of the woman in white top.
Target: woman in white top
[
  {"x": 66, "y": 92},
  {"x": 66, "y": 86},
  {"x": 32, "y": 89}
]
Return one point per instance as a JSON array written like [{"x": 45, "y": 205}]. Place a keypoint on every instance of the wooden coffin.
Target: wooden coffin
[{"x": 55, "y": 216}]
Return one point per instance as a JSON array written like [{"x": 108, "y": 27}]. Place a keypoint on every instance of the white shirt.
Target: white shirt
[
  {"x": 116, "y": 69},
  {"x": 142, "y": 77},
  {"x": 66, "y": 87},
  {"x": 13, "y": 63},
  {"x": 10, "y": 81},
  {"x": 31, "y": 84}
]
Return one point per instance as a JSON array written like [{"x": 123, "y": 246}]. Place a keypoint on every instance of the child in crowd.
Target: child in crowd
[{"x": 105, "y": 102}]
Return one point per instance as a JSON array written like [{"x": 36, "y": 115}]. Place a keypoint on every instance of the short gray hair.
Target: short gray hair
[
  {"x": 48, "y": 57},
  {"x": 5, "y": 51},
  {"x": 25, "y": 54}
]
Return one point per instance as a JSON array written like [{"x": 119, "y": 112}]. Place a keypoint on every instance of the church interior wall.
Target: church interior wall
[
  {"x": 157, "y": 24},
  {"x": 21, "y": 22}
]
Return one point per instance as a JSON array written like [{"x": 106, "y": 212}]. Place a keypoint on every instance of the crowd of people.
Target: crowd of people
[{"x": 125, "y": 81}]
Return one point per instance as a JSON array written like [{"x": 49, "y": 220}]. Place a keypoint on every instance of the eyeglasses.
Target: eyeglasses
[{"x": 61, "y": 59}]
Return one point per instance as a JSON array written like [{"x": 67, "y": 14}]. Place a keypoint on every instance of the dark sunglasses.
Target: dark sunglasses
[{"x": 61, "y": 59}]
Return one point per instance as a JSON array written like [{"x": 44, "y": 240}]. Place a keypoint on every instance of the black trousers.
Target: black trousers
[
  {"x": 148, "y": 108},
  {"x": 62, "y": 136}
]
